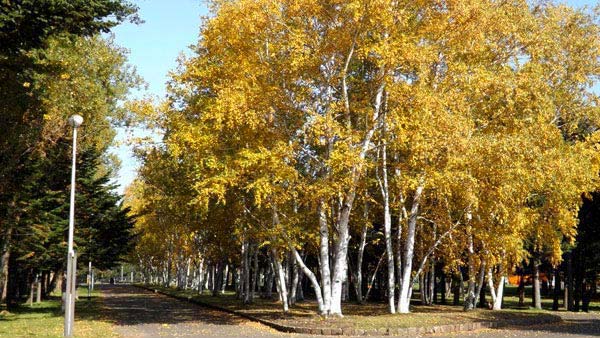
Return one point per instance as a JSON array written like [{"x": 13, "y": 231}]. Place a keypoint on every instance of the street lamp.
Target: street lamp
[{"x": 75, "y": 121}]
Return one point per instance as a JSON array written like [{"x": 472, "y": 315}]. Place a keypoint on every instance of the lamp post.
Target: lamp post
[{"x": 75, "y": 121}]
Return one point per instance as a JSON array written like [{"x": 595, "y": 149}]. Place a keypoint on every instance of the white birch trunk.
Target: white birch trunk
[
  {"x": 360, "y": 255},
  {"x": 387, "y": 226},
  {"x": 496, "y": 292},
  {"x": 406, "y": 286},
  {"x": 470, "y": 294},
  {"x": 313, "y": 280},
  {"x": 294, "y": 281},
  {"x": 324, "y": 258},
  {"x": 341, "y": 262},
  {"x": 280, "y": 280},
  {"x": 403, "y": 216}
]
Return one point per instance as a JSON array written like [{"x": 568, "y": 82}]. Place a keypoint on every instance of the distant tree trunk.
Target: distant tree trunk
[
  {"x": 224, "y": 277},
  {"x": 187, "y": 273},
  {"x": 246, "y": 274},
  {"x": 55, "y": 283},
  {"x": 482, "y": 301},
  {"x": 537, "y": 297},
  {"x": 217, "y": 278},
  {"x": 201, "y": 276},
  {"x": 254, "y": 274},
  {"x": 557, "y": 290},
  {"x": 210, "y": 278},
  {"x": 586, "y": 297},
  {"x": 521, "y": 289},
  {"x": 457, "y": 281},
  {"x": 43, "y": 284},
  {"x": 569, "y": 288},
  {"x": 423, "y": 287},
  {"x": 300, "y": 292},
  {"x": 12, "y": 288},
  {"x": 443, "y": 287},
  {"x": 370, "y": 284},
  {"x": 431, "y": 284},
  {"x": 269, "y": 279}
]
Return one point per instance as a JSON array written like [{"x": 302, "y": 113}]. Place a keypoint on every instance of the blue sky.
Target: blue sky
[{"x": 170, "y": 28}]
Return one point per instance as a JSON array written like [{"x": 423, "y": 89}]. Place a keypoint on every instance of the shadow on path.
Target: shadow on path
[
  {"x": 142, "y": 313},
  {"x": 128, "y": 305}
]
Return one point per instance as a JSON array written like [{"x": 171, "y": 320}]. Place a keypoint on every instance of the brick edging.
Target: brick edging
[{"x": 403, "y": 331}]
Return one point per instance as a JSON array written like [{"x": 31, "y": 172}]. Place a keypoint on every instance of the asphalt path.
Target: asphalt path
[{"x": 142, "y": 313}]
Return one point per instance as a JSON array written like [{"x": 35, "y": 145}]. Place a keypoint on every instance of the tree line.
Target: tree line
[
  {"x": 329, "y": 143},
  {"x": 55, "y": 63}
]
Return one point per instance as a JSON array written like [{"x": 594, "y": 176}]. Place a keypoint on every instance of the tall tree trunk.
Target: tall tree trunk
[
  {"x": 480, "y": 282},
  {"x": 359, "y": 257},
  {"x": 324, "y": 258},
  {"x": 423, "y": 287},
  {"x": 4, "y": 262},
  {"x": 401, "y": 218},
  {"x": 406, "y": 286},
  {"x": 497, "y": 293},
  {"x": 280, "y": 279},
  {"x": 340, "y": 266},
  {"x": 387, "y": 226},
  {"x": 470, "y": 298},
  {"x": 431, "y": 284},
  {"x": 313, "y": 280},
  {"x": 294, "y": 281}
]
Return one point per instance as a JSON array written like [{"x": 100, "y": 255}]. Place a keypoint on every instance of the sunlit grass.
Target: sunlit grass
[
  {"x": 46, "y": 319},
  {"x": 372, "y": 315}
]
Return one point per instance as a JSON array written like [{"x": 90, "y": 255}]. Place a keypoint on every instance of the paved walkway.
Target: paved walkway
[{"x": 141, "y": 313}]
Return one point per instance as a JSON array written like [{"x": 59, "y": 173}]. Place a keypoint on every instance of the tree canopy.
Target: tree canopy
[{"x": 471, "y": 125}]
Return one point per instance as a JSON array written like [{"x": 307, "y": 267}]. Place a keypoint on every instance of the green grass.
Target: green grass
[
  {"x": 46, "y": 319},
  {"x": 366, "y": 316}
]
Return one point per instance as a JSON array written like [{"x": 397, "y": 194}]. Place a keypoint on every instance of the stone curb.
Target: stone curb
[{"x": 404, "y": 331}]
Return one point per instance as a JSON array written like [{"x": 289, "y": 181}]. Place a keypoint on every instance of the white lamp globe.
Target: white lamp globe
[{"x": 75, "y": 120}]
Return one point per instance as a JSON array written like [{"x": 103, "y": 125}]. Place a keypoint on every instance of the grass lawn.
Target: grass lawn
[
  {"x": 46, "y": 319},
  {"x": 511, "y": 299},
  {"x": 372, "y": 315}
]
